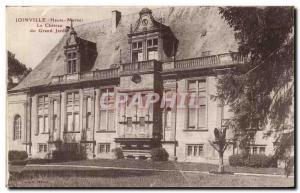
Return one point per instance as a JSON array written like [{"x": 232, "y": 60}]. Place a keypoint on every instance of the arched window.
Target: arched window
[{"x": 17, "y": 127}]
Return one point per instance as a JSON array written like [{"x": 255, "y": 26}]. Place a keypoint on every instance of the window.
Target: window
[
  {"x": 103, "y": 148},
  {"x": 40, "y": 123},
  {"x": 248, "y": 149},
  {"x": 46, "y": 125},
  {"x": 73, "y": 122},
  {"x": 189, "y": 150},
  {"x": 55, "y": 112},
  {"x": 88, "y": 121},
  {"x": 72, "y": 60},
  {"x": 70, "y": 122},
  {"x": 254, "y": 150},
  {"x": 107, "y": 148},
  {"x": 234, "y": 149},
  {"x": 262, "y": 150},
  {"x": 42, "y": 148},
  {"x": 137, "y": 45},
  {"x": 55, "y": 124},
  {"x": 89, "y": 113},
  {"x": 43, "y": 121},
  {"x": 152, "y": 49},
  {"x": 152, "y": 54},
  {"x": 17, "y": 127},
  {"x": 142, "y": 121},
  {"x": 194, "y": 150},
  {"x": 129, "y": 121},
  {"x": 73, "y": 112},
  {"x": 197, "y": 105},
  {"x": 76, "y": 122},
  {"x": 168, "y": 118},
  {"x": 107, "y": 110},
  {"x": 111, "y": 120},
  {"x": 137, "y": 51},
  {"x": 43, "y": 124}
]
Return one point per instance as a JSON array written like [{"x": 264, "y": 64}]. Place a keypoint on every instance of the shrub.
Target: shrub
[
  {"x": 17, "y": 155},
  {"x": 18, "y": 162},
  {"x": 60, "y": 155},
  {"x": 159, "y": 154},
  {"x": 256, "y": 160},
  {"x": 289, "y": 166},
  {"x": 236, "y": 160},
  {"x": 38, "y": 161},
  {"x": 118, "y": 153}
]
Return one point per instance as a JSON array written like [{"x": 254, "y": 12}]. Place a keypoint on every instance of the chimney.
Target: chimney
[{"x": 116, "y": 17}]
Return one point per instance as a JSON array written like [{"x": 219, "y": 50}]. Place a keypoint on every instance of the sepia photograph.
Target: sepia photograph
[{"x": 150, "y": 97}]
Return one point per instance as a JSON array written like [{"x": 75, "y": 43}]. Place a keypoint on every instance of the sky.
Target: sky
[{"x": 31, "y": 47}]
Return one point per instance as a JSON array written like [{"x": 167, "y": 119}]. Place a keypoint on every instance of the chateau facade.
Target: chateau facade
[{"x": 169, "y": 51}]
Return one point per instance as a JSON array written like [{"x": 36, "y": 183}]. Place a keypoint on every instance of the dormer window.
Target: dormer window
[
  {"x": 72, "y": 62},
  {"x": 80, "y": 54},
  {"x": 137, "y": 51},
  {"x": 151, "y": 40},
  {"x": 152, "y": 49}
]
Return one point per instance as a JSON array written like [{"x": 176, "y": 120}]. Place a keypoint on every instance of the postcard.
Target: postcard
[{"x": 164, "y": 96}]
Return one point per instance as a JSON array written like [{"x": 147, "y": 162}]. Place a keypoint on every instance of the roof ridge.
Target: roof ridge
[{"x": 129, "y": 14}]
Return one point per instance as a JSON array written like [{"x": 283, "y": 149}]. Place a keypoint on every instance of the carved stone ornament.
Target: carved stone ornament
[{"x": 136, "y": 78}]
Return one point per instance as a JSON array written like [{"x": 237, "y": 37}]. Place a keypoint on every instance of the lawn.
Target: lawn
[
  {"x": 115, "y": 178},
  {"x": 140, "y": 173},
  {"x": 169, "y": 165}
]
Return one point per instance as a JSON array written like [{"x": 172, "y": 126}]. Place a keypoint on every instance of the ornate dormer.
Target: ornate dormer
[
  {"x": 72, "y": 51},
  {"x": 80, "y": 54},
  {"x": 150, "y": 39},
  {"x": 72, "y": 40}
]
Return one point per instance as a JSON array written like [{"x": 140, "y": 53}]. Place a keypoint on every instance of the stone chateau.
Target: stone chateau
[{"x": 166, "y": 50}]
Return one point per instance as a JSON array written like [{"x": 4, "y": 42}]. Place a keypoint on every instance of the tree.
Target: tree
[
  {"x": 220, "y": 144},
  {"x": 261, "y": 91},
  {"x": 284, "y": 151},
  {"x": 16, "y": 69}
]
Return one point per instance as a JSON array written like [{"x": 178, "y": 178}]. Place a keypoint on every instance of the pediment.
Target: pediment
[
  {"x": 146, "y": 22},
  {"x": 72, "y": 40}
]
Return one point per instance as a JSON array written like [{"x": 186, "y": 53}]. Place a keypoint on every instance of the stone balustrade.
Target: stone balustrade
[{"x": 152, "y": 65}]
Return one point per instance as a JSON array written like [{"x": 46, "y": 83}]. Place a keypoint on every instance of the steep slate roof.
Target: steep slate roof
[{"x": 198, "y": 29}]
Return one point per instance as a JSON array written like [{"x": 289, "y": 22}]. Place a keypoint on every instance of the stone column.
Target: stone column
[
  {"x": 184, "y": 86},
  {"x": 92, "y": 117},
  {"x": 97, "y": 117},
  {"x": 130, "y": 49},
  {"x": 80, "y": 109},
  {"x": 24, "y": 123},
  {"x": 35, "y": 115},
  {"x": 29, "y": 103},
  {"x": 63, "y": 114},
  {"x": 160, "y": 46},
  {"x": 97, "y": 110},
  {"x": 50, "y": 119},
  {"x": 59, "y": 116},
  {"x": 84, "y": 112},
  {"x": 145, "y": 51}
]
